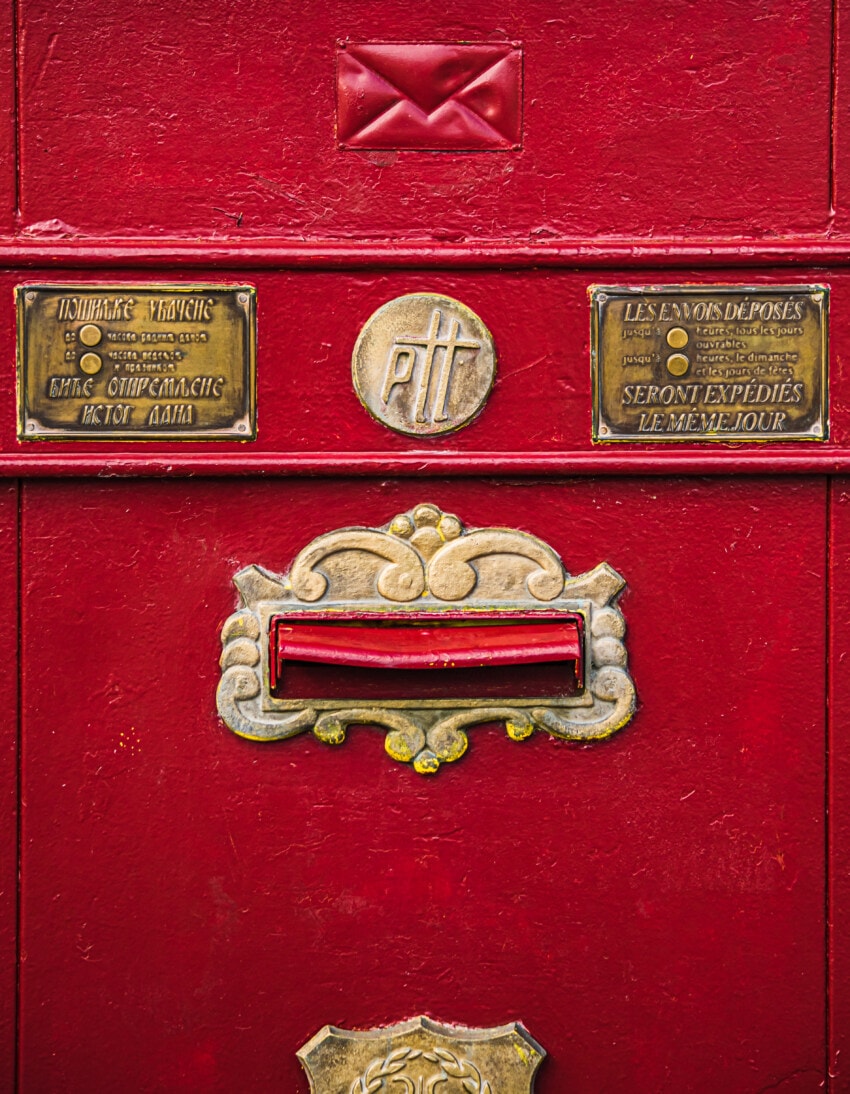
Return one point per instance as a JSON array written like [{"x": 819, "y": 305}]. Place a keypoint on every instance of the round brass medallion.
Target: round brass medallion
[{"x": 424, "y": 364}]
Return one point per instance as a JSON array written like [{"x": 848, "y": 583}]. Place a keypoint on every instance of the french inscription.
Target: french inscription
[
  {"x": 710, "y": 363},
  {"x": 136, "y": 361},
  {"x": 424, "y": 364}
]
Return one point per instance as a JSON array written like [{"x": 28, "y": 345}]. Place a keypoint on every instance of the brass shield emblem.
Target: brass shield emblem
[{"x": 422, "y": 1057}]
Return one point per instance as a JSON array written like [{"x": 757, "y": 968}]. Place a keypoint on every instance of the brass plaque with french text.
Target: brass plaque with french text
[
  {"x": 143, "y": 362},
  {"x": 709, "y": 363}
]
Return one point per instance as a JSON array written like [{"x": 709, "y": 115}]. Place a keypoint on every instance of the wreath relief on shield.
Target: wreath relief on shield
[{"x": 422, "y": 1057}]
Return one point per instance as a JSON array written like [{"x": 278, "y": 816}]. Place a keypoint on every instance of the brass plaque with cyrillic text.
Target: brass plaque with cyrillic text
[
  {"x": 144, "y": 362},
  {"x": 709, "y": 363}
]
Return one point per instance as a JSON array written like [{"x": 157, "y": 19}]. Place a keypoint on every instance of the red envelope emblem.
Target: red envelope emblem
[{"x": 429, "y": 96}]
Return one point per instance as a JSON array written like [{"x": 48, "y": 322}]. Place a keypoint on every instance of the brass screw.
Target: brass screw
[
  {"x": 677, "y": 337},
  {"x": 678, "y": 364},
  {"x": 90, "y": 363},
  {"x": 90, "y": 335}
]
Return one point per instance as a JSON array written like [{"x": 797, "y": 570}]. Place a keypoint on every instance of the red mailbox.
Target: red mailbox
[{"x": 426, "y": 441}]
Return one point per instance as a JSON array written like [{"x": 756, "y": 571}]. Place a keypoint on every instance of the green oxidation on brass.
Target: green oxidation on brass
[
  {"x": 709, "y": 363},
  {"x": 130, "y": 361}
]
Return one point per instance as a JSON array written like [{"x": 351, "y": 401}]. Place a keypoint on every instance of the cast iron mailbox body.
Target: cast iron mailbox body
[{"x": 664, "y": 910}]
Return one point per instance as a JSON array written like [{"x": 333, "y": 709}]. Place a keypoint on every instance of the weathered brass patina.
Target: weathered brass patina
[
  {"x": 144, "y": 362},
  {"x": 425, "y": 563},
  {"x": 424, "y": 364},
  {"x": 422, "y": 1055},
  {"x": 709, "y": 363}
]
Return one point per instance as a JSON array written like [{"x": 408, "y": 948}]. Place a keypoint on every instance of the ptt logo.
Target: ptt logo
[{"x": 413, "y": 358}]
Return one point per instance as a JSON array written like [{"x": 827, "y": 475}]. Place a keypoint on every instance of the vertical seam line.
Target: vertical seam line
[
  {"x": 19, "y": 783},
  {"x": 833, "y": 109},
  {"x": 828, "y": 818},
  {"x": 16, "y": 108}
]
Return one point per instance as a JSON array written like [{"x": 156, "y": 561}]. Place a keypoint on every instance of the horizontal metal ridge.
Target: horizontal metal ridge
[
  {"x": 762, "y": 461},
  {"x": 247, "y": 254}
]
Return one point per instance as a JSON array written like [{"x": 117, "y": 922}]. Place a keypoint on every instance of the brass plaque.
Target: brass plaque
[
  {"x": 424, "y": 364},
  {"x": 143, "y": 362},
  {"x": 709, "y": 363}
]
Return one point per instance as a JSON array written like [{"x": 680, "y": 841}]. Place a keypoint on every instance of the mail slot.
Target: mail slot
[
  {"x": 423, "y": 547},
  {"x": 475, "y": 658}
]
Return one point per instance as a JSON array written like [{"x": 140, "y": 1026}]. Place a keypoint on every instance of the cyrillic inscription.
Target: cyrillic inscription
[
  {"x": 136, "y": 361},
  {"x": 709, "y": 363}
]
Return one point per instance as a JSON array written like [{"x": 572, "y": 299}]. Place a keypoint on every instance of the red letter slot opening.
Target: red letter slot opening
[{"x": 480, "y": 658}]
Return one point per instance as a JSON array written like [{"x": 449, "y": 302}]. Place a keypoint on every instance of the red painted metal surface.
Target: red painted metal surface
[
  {"x": 9, "y": 222},
  {"x": 196, "y": 120},
  {"x": 8, "y": 785},
  {"x": 839, "y": 786},
  {"x": 429, "y": 95},
  {"x": 196, "y": 905},
  {"x": 428, "y": 647},
  {"x": 593, "y": 253}
]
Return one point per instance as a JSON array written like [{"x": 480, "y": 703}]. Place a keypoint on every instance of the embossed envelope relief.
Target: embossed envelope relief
[{"x": 436, "y": 96}]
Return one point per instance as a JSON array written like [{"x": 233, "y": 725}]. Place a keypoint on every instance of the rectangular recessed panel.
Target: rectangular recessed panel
[
  {"x": 439, "y": 96},
  {"x": 173, "y": 874},
  {"x": 682, "y": 119}
]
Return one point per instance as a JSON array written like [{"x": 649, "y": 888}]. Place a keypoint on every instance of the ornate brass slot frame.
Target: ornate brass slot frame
[{"x": 425, "y": 573}]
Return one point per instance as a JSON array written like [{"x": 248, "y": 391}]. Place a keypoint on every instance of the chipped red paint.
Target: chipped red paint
[{"x": 194, "y": 906}]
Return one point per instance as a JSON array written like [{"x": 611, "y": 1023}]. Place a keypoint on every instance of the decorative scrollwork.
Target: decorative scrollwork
[
  {"x": 402, "y": 580},
  {"x": 426, "y": 556},
  {"x": 451, "y": 575},
  {"x": 373, "y": 1077},
  {"x": 241, "y": 682}
]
